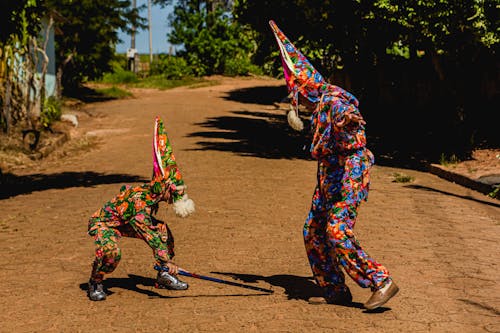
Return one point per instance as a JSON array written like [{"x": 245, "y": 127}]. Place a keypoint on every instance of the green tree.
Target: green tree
[
  {"x": 87, "y": 35},
  {"x": 361, "y": 31},
  {"x": 433, "y": 59},
  {"x": 208, "y": 36},
  {"x": 19, "y": 16}
]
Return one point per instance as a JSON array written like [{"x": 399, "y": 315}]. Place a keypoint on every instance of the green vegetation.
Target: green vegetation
[
  {"x": 432, "y": 59},
  {"x": 448, "y": 161},
  {"x": 51, "y": 111},
  {"x": 428, "y": 59},
  {"x": 113, "y": 92},
  {"x": 212, "y": 41},
  {"x": 495, "y": 193},
  {"x": 88, "y": 33},
  {"x": 160, "y": 82},
  {"x": 170, "y": 67},
  {"x": 121, "y": 76},
  {"x": 240, "y": 67},
  {"x": 166, "y": 72},
  {"x": 402, "y": 178},
  {"x": 22, "y": 83}
]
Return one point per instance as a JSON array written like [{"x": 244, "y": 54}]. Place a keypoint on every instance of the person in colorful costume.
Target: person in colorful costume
[
  {"x": 344, "y": 162},
  {"x": 131, "y": 214}
]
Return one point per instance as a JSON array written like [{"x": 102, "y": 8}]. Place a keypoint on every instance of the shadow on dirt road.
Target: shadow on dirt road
[
  {"x": 264, "y": 132},
  {"x": 133, "y": 283},
  {"x": 13, "y": 185}
]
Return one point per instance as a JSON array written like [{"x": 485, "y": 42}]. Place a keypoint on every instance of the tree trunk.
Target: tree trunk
[
  {"x": 6, "y": 104},
  {"x": 59, "y": 74}
]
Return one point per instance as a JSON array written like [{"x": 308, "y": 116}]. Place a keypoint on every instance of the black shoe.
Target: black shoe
[{"x": 96, "y": 291}]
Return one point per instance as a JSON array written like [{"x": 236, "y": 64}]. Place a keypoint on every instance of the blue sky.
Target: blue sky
[{"x": 159, "y": 28}]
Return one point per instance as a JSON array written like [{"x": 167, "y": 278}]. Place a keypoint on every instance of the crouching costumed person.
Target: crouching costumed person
[
  {"x": 131, "y": 214},
  {"x": 339, "y": 145}
]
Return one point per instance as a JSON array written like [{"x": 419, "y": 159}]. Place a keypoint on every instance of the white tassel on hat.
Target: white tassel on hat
[
  {"x": 294, "y": 120},
  {"x": 184, "y": 206}
]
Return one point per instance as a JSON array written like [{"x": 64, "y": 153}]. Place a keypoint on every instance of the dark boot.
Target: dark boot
[{"x": 96, "y": 291}]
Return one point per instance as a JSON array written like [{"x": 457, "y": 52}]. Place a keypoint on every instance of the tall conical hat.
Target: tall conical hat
[
  {"x": 166, "y": 173},
  {"x": 300, "y": 75},
  {"x": 302, "y": 78}
]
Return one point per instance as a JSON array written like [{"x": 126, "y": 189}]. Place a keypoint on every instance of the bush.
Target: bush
[
  {"x": 240, "y": 66},
  {"x": 119, "y": 62},
  {"x": 114, "y": 92},
  {"x": 170, "y": 67},
  {"x": 51, "y": 111},
  {"x": 120, "y": 76}
]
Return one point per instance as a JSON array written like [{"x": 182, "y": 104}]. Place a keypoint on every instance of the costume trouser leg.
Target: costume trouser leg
[
  {"x": 330, "y": 243},
  {"x": 362, "y": 268},
  {"x": 322, "y": 257},
  {"x": 328, "y": 231},
  {"x": 156, "y": 234},
  {"x": 108, "y": 254}
]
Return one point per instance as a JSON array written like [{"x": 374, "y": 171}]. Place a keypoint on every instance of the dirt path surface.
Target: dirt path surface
[{"x": 252, "y": 188}]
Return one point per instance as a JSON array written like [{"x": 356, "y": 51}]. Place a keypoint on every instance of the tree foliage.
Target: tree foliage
[
  {"x": 433, "y": 58},
  {"x": 87, "y": 32},
  {"x": 208, "y": 36},
  {"x": 19, "y": 18},
  {"x": 358, "y": 31}
]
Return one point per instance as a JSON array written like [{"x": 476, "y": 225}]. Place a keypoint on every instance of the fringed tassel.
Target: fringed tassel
[
  {"x": 294, "y": 121},
  {"x": 183, "y": 207}
]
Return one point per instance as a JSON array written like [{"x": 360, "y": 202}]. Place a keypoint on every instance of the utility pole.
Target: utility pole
[
  {"x": 132, "y": 52},
  {"x": 150, "y": 34}
]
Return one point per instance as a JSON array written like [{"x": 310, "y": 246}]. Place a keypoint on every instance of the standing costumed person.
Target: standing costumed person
[
  {"x": 339, "y": 145},
  {"x": 130, "y": 214}
]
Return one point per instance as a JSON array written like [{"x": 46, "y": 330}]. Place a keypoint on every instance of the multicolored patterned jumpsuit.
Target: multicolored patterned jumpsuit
[
  {"x": 129, "y": 214},
  {"x": 343, "y": 181},
  {"x": 343, "y": 175}
]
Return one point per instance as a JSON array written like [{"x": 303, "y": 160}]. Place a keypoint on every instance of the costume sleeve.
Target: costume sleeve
[
  {"x": 322, "y": 129},
  {"x": 350, "y": 136},
  {"x": 329, "y": 139},
  {"x": 338, "y": 112}
]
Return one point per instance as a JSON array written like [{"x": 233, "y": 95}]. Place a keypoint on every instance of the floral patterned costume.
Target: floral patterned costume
[
  {"x": 342, "y": 179},
  {"x": 131, "y": 212}
]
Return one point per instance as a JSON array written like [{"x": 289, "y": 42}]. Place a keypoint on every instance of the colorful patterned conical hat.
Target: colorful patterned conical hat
[
  {"x": 165, "y": 169},
  {"x": 302, "y": 78},
  {"x": 300, "y": 75},
  {"x": 167, "y": 177}
]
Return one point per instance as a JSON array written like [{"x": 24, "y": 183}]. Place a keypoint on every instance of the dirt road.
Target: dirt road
[{"x": 252, "y": 186}]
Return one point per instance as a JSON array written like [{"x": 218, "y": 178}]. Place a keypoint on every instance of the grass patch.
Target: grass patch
[
  {"x": 162, "y": 83},
  {"x": 120, "y": 77},
  {"x": 128, "y": 79},
  {"x": 402, "y": 178},
  {"x": 113, "y": 92},
  {"x": 448, "y": 161},
  {"x": 495, "y": 193}
]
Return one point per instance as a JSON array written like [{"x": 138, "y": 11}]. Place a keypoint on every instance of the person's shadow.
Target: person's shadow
[
  {"x": 145, "y": 285},
  {"x": 295, "y": 287}
]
